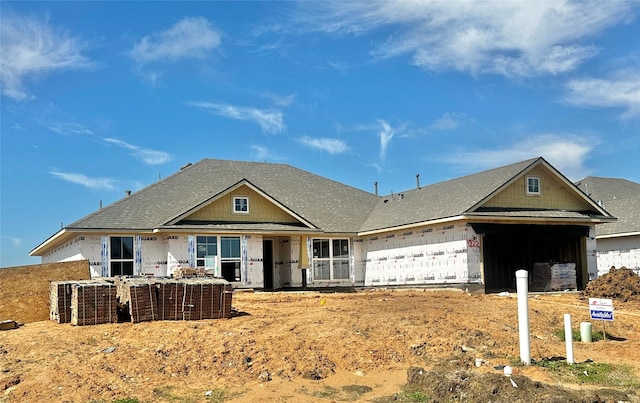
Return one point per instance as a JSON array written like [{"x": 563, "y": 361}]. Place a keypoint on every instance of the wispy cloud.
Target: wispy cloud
[
  {"x": 566, "y": 152},
  {"x": 448, "y": 121},
  {"x": 148, "y": 156},
  {"x": 261, "y": 153},
  {"x": 270, "y": 120},
  {"x": 332, "y": 146},
  {"x": 514, "y": 39},
  {"x": 189, "y": 38},
  {"x": 84, "y": 180},
  {"x": 30, "y": 49},
  {"x": 279, "y": 100},
  {"x": 70, "y": 128},
  {"x": 15, "y": 242},
  {"x": 621, "y": 91},
  {"x": 386, "y": 134}
]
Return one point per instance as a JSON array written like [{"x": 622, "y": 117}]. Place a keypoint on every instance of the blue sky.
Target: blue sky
[{"x": 100, "y": 97}]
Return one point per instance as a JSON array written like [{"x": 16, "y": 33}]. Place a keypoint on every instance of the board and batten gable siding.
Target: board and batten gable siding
[
  {"x": 260, "y": 209},
  {"x": 554, "y": 194},
  {"x": 439, "y": 254}
]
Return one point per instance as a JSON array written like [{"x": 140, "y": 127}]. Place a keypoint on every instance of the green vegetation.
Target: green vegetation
[
  {"x": 595, "y": 336},
  {"x": 168, "y": 394},
  {"x": 601, "y": 374},
  {"x": 344, "y": 394},
  {"x": 405, "y": 397}
]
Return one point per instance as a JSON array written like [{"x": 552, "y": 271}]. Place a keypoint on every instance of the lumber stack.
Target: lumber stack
[{"x": 93, "y": 302}]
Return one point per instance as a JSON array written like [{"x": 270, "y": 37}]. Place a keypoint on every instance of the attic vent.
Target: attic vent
[{"x": 187, "y": 165}]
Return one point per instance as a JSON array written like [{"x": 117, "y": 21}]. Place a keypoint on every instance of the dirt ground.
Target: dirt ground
[{"x": 310, "y": 346}]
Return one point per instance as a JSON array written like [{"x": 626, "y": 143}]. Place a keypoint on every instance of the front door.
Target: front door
[{"x": 267, "y": 263}]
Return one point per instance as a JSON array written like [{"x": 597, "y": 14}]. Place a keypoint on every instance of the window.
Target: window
[
  {"x": 240, "y": 204},
  {"x": 229, "y": 253},
  {"x": 121, "y": 255},
  {"x": 230, "y": 257},
  {"x": 331, "y": 259},
  {"x": 206, "y": 250},
  {"x": 533, "y": 185}
]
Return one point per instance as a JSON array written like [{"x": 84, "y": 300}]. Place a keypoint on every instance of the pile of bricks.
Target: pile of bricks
[
  {"x": 194, "y": 299},
  {"x": 93, "y": 303},
  {"x": 139, "y": 296},
  {"x": 83, "y": 302}
]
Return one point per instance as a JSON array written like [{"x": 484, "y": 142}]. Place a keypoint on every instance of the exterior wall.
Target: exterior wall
[
  {"x": 553, "y": 194},
  {"x": 443, "y": 254},
  {"x": 260, "y": 209},
  {"x": 252, "y": 267},
  {"x": 80, "y": 248},
  {"x": 592, "y": 253},
  {"x": 618, "y": 252}
]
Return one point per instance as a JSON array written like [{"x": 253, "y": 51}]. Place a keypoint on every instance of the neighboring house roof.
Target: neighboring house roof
[
  {"x": 621, "y": 198},
  {"x": 317, "y": 204}
]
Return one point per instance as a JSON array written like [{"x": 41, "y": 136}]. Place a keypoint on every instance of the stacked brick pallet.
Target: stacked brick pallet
[
  {"x": 194, "y": 299},
  {"x": 82, "y": 302},
  {"x": 93, "y": 302},
  {"x": 60, "y": 301},
  {"x": 140, "y": 296}
]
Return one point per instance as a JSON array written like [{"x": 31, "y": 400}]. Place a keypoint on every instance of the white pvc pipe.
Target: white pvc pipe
[
  {"x": 522, "y": 288},
  {"x": 568, "y": 338}
]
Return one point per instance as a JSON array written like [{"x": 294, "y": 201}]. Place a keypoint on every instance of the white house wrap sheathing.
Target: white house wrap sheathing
[{"x": 434, "y": 255}]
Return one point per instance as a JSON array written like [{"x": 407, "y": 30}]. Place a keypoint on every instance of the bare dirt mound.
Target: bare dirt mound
[
  {"x": 450, "y": 381},
  {"x": 621, "y": 284}
]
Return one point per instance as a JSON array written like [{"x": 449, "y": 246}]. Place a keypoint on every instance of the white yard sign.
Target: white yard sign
[{"x": 601, "y": 309}]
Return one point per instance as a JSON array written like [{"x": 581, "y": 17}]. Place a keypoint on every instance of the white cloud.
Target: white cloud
[
  {"x": 566, "y": 152},
  {"x": 448, "y": 121},
  {"x": 84, "y": 180},
  {"x": 270, "y": 120},
  {"x": 31, "y": 49},
  {"x": 15, "y": 242},
  {"x": 280, "y": 100},
  {"x": 514, "y": 39},
  {"x": 386, "y": 134},
  {"x": 332, "y": 146},
  {"x": 620, "y": 91},
  {"x": 148, "y": 156},
  {"x": 70, "y": 128},
  {"x": 189, "y": 38}
]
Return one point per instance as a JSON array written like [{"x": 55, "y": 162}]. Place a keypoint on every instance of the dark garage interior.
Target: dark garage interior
[{"x": 511, "y": 247}]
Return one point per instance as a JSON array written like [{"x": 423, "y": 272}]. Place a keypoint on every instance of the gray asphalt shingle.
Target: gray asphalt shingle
[{"x": 620, "y": 197}]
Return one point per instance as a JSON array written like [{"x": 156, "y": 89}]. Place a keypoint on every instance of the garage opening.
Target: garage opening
[{"x": 509, "y": 248}]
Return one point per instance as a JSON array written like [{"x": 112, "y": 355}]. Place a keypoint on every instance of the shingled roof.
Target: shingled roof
[
  {"x": 325, "y": 204},
  {"x": 321, "y": 205},
  {"x": 621, "y": 198}
]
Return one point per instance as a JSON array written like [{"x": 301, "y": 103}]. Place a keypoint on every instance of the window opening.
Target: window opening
[
  {"x": 121, "y": 255},
  {"x": 533, "y": 185},
  {"x": 240, "y": 204},
  {"x": 331, "y": 259}
]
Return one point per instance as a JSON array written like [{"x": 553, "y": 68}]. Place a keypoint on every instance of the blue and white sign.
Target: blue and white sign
[{"x": 601, "y": 309}]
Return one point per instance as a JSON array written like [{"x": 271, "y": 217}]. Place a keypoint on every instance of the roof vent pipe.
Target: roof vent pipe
[
  {"x": 417, "y": 181},
  {"x": 375, "y": 187},
  {"x": 128, "y": 192}
]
